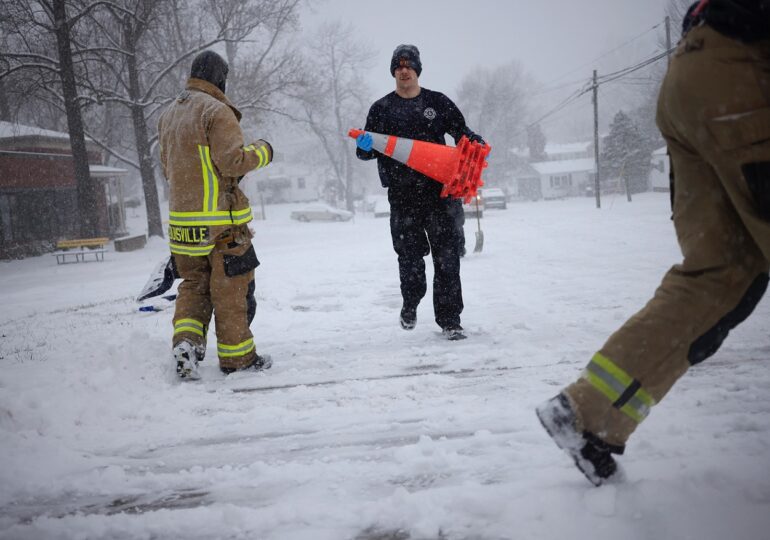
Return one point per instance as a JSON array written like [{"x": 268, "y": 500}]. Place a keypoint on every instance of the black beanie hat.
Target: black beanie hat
[
  {"x": 411, "y": 54},
  {"x": 210, "y": 67}
]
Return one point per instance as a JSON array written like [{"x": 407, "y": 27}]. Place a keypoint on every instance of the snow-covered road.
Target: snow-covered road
[{"x": 361, "y": 430}]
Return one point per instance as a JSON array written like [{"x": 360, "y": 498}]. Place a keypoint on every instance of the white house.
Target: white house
[
  {"x": 561, "y": 151},
  {"x": 660, "y": 170},
  {"x": 282, "y": 182},
  {"x": 565, "y": 178}
]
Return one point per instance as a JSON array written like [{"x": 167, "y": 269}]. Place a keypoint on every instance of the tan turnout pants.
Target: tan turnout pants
[
  {"x": 207, "y": 289},
  {"x": 714, "y": 112}
]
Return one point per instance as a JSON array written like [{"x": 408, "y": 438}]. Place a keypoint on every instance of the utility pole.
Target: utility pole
[
  {"x": 668, "y": 39},
  {"x": 596, "y": 140}
]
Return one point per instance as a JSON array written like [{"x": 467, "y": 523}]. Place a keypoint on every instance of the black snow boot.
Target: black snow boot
[
  {"x": 591, "y": 455},
  {"x": 408, "y": 318},
  {"x": 260, "y": 363},
  {"x": 453, "y": 333}
]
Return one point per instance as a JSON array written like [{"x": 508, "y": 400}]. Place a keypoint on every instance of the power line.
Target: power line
[
  {"x": 604, "y": 79},
  {"x": 590, "y": 62}
]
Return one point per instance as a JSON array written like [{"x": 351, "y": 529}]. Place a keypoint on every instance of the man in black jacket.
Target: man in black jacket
[
  {"x": 421, "y": 221},
  {"x": 714, "y": 112}
]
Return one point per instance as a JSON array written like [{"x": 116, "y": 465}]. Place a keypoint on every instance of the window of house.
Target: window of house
[{"x": 300, "y": 183}]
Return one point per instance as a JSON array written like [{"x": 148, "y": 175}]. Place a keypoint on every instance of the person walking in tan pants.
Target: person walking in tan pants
[
  {"x": 714, "y": 113},
  {"x": 204, "y": 158}
]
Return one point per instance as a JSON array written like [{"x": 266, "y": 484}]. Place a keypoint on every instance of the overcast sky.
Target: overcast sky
[{"x": 556, "y": 41}]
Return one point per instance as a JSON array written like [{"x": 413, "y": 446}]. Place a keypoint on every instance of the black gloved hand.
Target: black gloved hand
[{"x": 475, "y": 137}]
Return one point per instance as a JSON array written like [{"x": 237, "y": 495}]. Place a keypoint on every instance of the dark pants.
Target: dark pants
[{"x": 422, "y": 222}]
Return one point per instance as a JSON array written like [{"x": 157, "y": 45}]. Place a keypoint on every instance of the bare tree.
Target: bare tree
[
  {"x": 496, "y": 105},
  {"x": 36, "y": 28},
  {"x": 337, "y": 98},
  {"x": 136, "y": 53},
  {"x": 266, "y": 68},
  {"x": 147, "y": 27}
]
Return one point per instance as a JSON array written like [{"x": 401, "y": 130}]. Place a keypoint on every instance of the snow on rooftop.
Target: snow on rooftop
[
  {"x": 9, "y": 130},
  {"x": 566, "y": 148},
  {"x": 565, "y": 166}
]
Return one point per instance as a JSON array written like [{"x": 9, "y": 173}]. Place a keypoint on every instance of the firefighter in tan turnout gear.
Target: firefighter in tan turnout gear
[
  {"x": 714, "y": 113},
  {"x": 204, "y": 157}
]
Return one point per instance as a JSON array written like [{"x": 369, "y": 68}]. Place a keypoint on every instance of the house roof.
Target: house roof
[
  {"x": 555, "y": 149},
  {"x": 567, "y": 148},
  {"x": 565, "y": 166},
  {"x": 10, "y": 130}
]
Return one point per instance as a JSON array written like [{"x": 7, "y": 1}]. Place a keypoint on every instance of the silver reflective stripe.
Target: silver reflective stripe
[
  {"x": 640, "y": 406},
  {"x": 402, "y": 150},
  {"x": 611, "y": 381},
  {"x": 379, "y": 141}
]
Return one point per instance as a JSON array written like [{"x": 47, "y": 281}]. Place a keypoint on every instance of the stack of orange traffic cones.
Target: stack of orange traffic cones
[{"x": 458, "y": 168}]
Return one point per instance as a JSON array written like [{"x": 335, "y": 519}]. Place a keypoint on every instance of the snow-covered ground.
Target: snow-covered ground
[{"x": 362, "y": 430}]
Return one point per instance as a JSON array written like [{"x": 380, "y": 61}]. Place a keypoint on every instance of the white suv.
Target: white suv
[{"x": 494, "y": 198}]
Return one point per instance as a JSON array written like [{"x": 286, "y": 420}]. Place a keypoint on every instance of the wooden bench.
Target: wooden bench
[{"x": 79, "y": 248}]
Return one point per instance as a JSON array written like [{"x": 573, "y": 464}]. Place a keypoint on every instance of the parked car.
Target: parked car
[
  {"x": 494, "y": 198},
  {"x": 381, "y": 207},
  {"x": 471, "y": 208},
  {"x": 321, "y": 212}
]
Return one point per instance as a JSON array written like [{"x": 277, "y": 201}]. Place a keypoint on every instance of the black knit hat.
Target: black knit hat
[
  {"x": 408, "y": 55},
  {"x": 210, "y": 67}
]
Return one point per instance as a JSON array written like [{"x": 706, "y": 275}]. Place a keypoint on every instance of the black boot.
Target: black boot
[
  {"x": 408, "y": 318},
  {"x": 591, "y": 455},
  {"x": 260, "y": 363},
  {"x": 453, "y": 332}
]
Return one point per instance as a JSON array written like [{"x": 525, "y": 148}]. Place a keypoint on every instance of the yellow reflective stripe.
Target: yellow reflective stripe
[
  {"x": 205, "y": 173},
  {"x": 210, "y": 182},
  {"x": 235, "y": 350},
  {"x": 220, "y": 217},
  {"x": 188, "y": 325},
  {"x": 609, "y": 366},
  {"x": 261, "y": 158},
  {"x": 611, "y": 381},
  {"x": 214, "y": 188},
  {"x": 263, "y": 154},
  {"x": 621, "y": 376},
  {"x": 633, "y": 413},
  {"x": 598, "y": 383},
  {"x": 193, "y": 251}
]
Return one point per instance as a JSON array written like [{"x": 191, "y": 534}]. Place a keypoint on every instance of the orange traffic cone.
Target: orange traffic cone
[{"x": 458, "y": 168}]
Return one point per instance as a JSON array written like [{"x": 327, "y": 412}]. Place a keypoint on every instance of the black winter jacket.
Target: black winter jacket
[{"x": 427, "y": 117}]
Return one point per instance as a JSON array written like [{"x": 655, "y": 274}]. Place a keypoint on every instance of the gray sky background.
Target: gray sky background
[{"x": 556, "y": 41}]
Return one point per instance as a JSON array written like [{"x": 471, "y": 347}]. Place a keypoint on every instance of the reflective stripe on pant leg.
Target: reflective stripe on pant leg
[
  {"x": 190, "y": 325},
  {"x": 625, "y": 392},
  {"x": 241, "y": 349}
]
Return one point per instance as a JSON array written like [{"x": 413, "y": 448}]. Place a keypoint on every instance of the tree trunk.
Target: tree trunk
[
  {"x": 86, "y": 189},
  {"x": 5, "y": 110},
  {"x": 154, "y": 225}
]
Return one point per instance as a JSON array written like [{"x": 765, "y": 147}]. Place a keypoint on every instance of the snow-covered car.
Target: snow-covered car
[
  {"x": 494, "y": 198},
  {"x": 321, "y": 212},
  {"x": 471, "y": 209}
]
